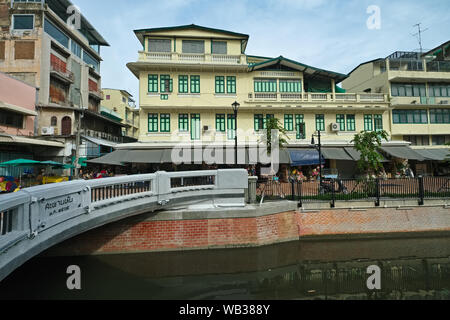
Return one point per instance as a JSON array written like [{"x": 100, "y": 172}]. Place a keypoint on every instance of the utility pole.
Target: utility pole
[
  {"x": 419, "y": 35},
  {"x": 78, "y": 137}
]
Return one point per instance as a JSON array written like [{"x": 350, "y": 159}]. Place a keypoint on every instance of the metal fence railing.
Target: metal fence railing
[{"x": 375, "y": 190}]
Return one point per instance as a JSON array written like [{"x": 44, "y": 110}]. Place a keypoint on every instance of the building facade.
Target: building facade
[
  {"x": 42, "y": 46},
  {"x": 122, "y": 102},
  {"x": 418, "y": 86},
  {"x": 190, "y": 76}
]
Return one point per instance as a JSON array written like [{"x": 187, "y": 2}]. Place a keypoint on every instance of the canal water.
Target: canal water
[{"x": 410, "y": 269}]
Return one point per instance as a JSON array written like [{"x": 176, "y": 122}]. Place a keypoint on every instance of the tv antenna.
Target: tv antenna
[{"x": 419, "y": 35}]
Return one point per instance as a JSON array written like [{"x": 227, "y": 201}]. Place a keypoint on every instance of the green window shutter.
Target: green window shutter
[
  {"x": 152, "y": 122},
  {"x": 220, "y": 122},
  {"x": 183, "y": 122},
  {"x": 195, "y": 84},
  {"x": 165, "y": 84},
  {"x": 268, "y": 116},
  {"x": 368, "y": 126},
  {"x": 165, "y": 122},
  {"x": 220, "y": 84},
  {"x": 265, "y": 85},
  {"x": 259, "y": 122},
  {"x": 152, "y": 83},
  {"x": 290, "y": 86},
  {"x": 300, "y": 126},
  {"x": 231, "y": 126},
  {"x": 351, "y": 123},
  {"x": 340, "y": 119},
  {"x": 378, "y": 122},
  {"x": 320, "y": 122},
  {"x": 289, "y": 122},
  {"x": 183, "y": 86},
  {"x": 231, "y": 84},
  {"x": 195, "y": 126}
]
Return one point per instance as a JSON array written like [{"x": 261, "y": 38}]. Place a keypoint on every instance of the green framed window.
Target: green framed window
[
  {"x": 405, "y": 116},
  {"x": 231, "y": 84},
  {"x": 408, "y": 90},
  {"x": 220, "y": 84},
  {"x": 231, "y": 127},
  {"x": 439, "y": 116},
  {"x": 183, "y": 84},
  {"x": 268, "y": 116},
  {"x": 289, "y": 122},
  {"x": 195, "y": 84},
  {"x": 164, "y": 97},
  {"x": 183, "y": 122},
  {"x": 351, "y": 123},
  {"x": 439, "y": 90},
  {"x": 152, "y": 83},
  {"x": 220, "y": 122},
  {"x": 320, "y": 122},
  {"x": 290, "y": 86},
  {"x": 152, "y": 122},
  {"x": 300, "y": 126},
  {"x": 195, "y": 126},
  {"x": 166, "y": 84},
  {"x": 259, "y": 122},
  {"x": 368, "y": 124},
  {"x": 164, "y": 119},
  {"x": 378, "y": 122},
  {"x": 340, "y": 119},
  {"x": 265, "y": 85}
]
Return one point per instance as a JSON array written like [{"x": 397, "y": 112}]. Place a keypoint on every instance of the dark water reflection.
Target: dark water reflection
[{"x": 411, "y": 269}]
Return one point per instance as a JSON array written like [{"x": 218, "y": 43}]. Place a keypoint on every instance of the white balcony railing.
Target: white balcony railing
[
  {"x": 175, "y": 57},
  {"x": 316, "y": 97}
]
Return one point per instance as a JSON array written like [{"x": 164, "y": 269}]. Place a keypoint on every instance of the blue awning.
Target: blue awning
[{"x": 304, "y": 157}]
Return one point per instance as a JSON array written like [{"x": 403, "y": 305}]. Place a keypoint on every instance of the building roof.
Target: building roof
[
  {"x": 361, "y": 64},
  {"x": 312, "y": 71},
  {"x": 443, "y": 45},
  {"x": 140, "y": 32},
  {"x": 93, "y": 36},
  {"x": 124, "y": 92}
]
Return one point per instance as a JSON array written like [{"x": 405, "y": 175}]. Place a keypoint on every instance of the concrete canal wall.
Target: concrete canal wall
[{"x": 253, "y": 226}]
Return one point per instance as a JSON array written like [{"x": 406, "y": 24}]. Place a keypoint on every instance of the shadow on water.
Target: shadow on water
[{"x": 411, "y": 269}]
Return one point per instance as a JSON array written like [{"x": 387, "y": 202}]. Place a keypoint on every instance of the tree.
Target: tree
[
  {"x": 367, "y": 143},
  {"x": 275, "y": 124}
]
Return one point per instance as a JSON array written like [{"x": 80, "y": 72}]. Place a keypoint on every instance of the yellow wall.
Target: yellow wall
[{"x": 116, "y": 104}]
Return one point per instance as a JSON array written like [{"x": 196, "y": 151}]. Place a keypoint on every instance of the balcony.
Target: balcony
[
  {"x": 96, "y": 94},
  {"x": 420, "y": 101},
  {"x": 187, "y": 58},
  {"x": 438, "y": 66},
  {"x": 61, "y": 73},
  {"x": 318, "y": 97}
]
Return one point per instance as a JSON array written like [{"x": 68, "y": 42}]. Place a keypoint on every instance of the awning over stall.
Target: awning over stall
[
  {"x": 403, "y": 153},
  {"x": 116, "y": 158},
  {"x": 99, "y": 142},
  {"x": 336, "y": 154},
  {"x": 356, "y": 155},
  {"x": 434, "y": 154},
  {"x": 304, "y": 157}
]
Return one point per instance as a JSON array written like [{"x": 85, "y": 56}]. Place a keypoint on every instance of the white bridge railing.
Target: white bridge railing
[{"x": 32, "y": 216}]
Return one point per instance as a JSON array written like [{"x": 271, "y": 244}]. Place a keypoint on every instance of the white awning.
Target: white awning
[
  {"x": 22, "y": 110},
  {"x": 23, "y": 140},
  {"x": 100, "y": 142}
]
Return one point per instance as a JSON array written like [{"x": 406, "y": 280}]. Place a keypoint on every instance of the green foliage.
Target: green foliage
[
  {"x": 367, "y": 143},
  {"x": 275, "y": 124}
]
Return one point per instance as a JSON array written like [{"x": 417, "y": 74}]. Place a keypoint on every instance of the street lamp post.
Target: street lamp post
[
  {"x": 320, "y": 156},
  {"x": 235, "y": 106}
]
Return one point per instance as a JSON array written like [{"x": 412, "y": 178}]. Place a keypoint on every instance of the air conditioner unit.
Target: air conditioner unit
[
  {"x": 206, "y": 128},
  {"x": 335, "y": 127},
  {"x": 47, "y": 131}
]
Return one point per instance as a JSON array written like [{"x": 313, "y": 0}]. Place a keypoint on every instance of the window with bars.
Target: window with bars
[
  {"x": 300, "y": 126},
  {"x": 165, "y": 122},
  {"x": 193, "y": 46},
  {"x": 159, "y": 45},
  {"x": 439, "y": 116},
  {"x": 231, "y": 126},
  {"x": 183, "y": 122},
  {"x": 290, "y": 86},
  {"x": 340, "y": 119},
  {"x": 231, "y": 84},
  {"x": 410, "y": 116},
  {"x": 320, "y": 122},
  {"x": 183, "y": 84},
  {"x": 166, "y": 84},
  {"x": 289, "y": 122},
  {"x": 219, "y": 47},
  {"x": 265, "y": 85},
  {"x": 220, "y": 122},
  {"x": 220, "y": 84},
  {"x": 351, "y": 123},
  {"x": 195, "y": 84},
  {"x": 152, "y": 83},
  {"x": 152, "y": 122}
]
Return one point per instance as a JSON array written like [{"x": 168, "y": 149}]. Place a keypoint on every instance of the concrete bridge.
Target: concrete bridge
[{"x": 35, "y": 219}]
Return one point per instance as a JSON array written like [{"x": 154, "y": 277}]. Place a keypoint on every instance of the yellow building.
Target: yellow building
[
  {"x": 418, "y": 86},
  {"x": 122, "y": 102}
]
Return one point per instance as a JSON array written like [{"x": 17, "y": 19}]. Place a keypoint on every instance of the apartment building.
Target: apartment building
[
  {"x": 418, "y": 86},
  {"x": 40, "y": 46},
  {"x": 122, "y": 103}
]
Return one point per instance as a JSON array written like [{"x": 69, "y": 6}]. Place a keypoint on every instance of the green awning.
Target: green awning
[
  {"x": 403, "y": 153},
  {"x": 434, "y": 154},
  {"x": 336, "y": 154}
]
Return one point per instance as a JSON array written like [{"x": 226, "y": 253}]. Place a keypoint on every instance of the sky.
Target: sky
[{"x": 327, "y": 34}]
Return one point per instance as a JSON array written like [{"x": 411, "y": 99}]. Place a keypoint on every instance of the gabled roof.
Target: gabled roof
[
  {"x": 444, "y": 45},
  {"x": 140, "y": 32},
  {"x": 361, "y": 64},
  {"x": 312, "y": 71}
]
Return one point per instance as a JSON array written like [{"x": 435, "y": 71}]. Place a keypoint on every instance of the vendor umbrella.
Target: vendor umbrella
[{"x": 20, "y": 163}]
